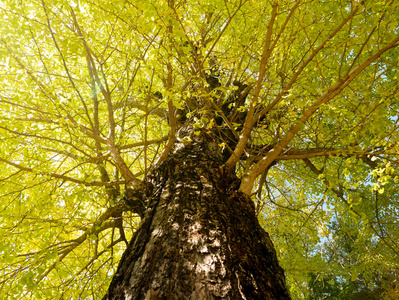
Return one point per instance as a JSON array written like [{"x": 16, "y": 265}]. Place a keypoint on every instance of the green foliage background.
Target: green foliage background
[{"x": 77, "y": 86}]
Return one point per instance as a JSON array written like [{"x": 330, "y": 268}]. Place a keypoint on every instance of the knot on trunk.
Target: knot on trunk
[{"x": 136, "y": 199}]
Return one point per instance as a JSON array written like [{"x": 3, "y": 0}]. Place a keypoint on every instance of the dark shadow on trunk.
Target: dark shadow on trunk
[{"x": 199, "y": 238}]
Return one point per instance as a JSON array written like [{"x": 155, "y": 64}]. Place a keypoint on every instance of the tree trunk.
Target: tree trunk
[{"x": 199, "y": 237}]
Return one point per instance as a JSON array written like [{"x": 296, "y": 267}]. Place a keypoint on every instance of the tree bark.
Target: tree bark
[{"x": 199, "y": 237}]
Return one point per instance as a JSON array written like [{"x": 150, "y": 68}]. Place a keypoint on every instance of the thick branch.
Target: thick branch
[
  {"x": 249, "y": 177},
  {"x": 310, "y": 58},
  {"x": 234, "y": 158},
  {"x": 302, "y": 154},
  {"x": 171, "y": 109},
  {"x": 98, "y": 226}
]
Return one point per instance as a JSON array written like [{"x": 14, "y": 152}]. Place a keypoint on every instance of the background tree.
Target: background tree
[
  {"x": 341, "y": 249},
  {"x": 301, "y": 96}
]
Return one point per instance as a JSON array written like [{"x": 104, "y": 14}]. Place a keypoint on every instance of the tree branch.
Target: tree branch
[
  {"x": 171, "y": 109},
  {"x": 247, "y": 127},
  {"x": 310, "y": 58},
  {"x": 250, "y": 176},
  {"x": 63, "y": 177}
]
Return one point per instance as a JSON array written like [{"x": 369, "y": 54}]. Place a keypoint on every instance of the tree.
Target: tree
[
  {"x": 175, "y": 124},
  {"x": 341, "y": 249}
]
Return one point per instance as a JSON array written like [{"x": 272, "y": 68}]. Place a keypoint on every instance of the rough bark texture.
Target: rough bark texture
[{"x": 199, "y": 238}]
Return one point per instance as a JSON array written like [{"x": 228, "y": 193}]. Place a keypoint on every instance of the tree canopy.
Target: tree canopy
[{"x": 92, "y": 96}]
